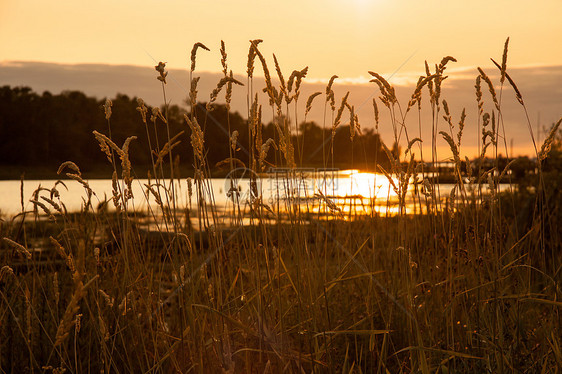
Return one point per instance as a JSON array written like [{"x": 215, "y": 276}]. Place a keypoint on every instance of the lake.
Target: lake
[{"x": 350, "y": 190}]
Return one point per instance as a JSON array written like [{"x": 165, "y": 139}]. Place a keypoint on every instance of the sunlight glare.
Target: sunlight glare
[{"x": 368, "y": 185}]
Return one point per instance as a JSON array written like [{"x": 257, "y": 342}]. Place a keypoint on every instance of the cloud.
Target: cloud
[{"x": 541, "y": 87}]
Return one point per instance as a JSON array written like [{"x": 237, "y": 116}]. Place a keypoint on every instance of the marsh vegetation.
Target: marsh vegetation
[{"x": 467, "y": 281}]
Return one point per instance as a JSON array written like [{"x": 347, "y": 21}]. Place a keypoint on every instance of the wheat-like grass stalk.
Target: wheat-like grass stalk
[
  {"x": 283, "y": 86},
  {"x": 452, "y": 145},
  {"x": 165, "y": 151},
  {"x": 443, "y": 64},
  {"x": 490, "y": 87},
  {"x": 225, "y": 80},
  {"x": 518, "y": 95},
  {"x": 161, "y": 69},
  {"x": 264, "y": 150},
  {"x": 339, "y": 114},
  {"x": 223, "y": 59},
  {"x": 6, "y": 271},
  {"x": 43, "y": 207},
  {"x": 411, "y": 144},
  {"x": 376, "y": 111},
  {"x": 84, "y": 184},
  {"x": 126, "y": 166},
  {"x": 547, "y": 144},
  {"x": 18, "y": 247},
  {"x": 296, "y": 77},
  {"x": 53, "y": 203},
  {"x": 332, "y": 206},
  {"x": 228, "y": 95},
  {"x": 107, "y": 108},
  {"x": 234, "y": 141},
  {"x": 68, "y": 258},
  {"x": 150, "y": 190},
  {"x": 109, "y": 301},
  {"x": 429, "y": 82},
  {"x": 330, "y": 97},
  {"x": 351, "y": 110},
  {"x": 270, "y": 90},
  {"x": 56, "y": 287},
  {"x": 69, "y": 317},
  {"x": 197, "y": 138},
  {"x": 194, "y": 53},
  {"x": 461, "y": 127},
  {"x": 504, "y": 61},
  {"x": 71, "y": 165},
  {"x": 478, "y": 88},
  {"x": 309, "y": 102},
  {"x": 193, "y": 93},
  {"x": 115, "y": 190},
  {"x": 386, "y": 89},
  {"x": 252, "y": 56},
  {"x": 142, "y": 109},
  {"x": 447, "y": 116},
  {"x": 106, "y": 145},
  {"x": 285, "y": 144},
  {"x": 417, "y": 96}
]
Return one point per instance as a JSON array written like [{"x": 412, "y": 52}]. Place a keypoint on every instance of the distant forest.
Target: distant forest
[{"x": 40, "y": 131}]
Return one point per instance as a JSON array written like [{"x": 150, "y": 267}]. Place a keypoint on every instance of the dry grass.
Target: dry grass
[{"x": 465, "y": 284}]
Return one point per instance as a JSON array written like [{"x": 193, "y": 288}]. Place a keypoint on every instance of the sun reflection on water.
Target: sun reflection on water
[
  {"x": 368, "y": 185},
  {"x": 356, "y": 193}
]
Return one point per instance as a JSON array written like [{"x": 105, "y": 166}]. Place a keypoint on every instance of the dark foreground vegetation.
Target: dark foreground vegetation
[{"x": 472, "y": 284}]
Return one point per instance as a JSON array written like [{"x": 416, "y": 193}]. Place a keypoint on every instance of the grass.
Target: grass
[{"x": 465, "y": 284}]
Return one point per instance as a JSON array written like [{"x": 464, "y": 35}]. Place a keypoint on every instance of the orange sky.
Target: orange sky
[
  {"x": 344, "y": 37},
  {"x": 347, "y": 38}
]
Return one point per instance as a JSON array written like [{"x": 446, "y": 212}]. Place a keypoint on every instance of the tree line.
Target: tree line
[{"x": 40, "y": 131}]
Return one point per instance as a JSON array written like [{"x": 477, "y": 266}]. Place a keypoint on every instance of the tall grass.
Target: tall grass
[{"x": 466, "y": 282}]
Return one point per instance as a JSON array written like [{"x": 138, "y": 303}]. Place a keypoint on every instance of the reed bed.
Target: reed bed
[{"x": 464, "y": 283}]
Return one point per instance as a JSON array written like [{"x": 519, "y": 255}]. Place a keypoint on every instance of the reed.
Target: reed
[{"x": 420, "y": 282}]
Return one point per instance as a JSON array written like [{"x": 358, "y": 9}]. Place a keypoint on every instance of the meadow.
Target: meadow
[{"x": 467, "y": 282}]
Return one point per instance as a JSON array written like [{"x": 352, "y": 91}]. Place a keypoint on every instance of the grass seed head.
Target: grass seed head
[
  {"x": 478, "y": 87},
  {"x": 194, "y": 53},
  {"x": 252, "y": 56},
  {"x": 234, "y": 140},
  {"x": 547, "y": 144},
  {"x": 504, "y": 61},
  {"x": 71, "y": 165},
  {"x": 18, "y": 247},
  {"x": 223, "y": 58},
  {"x": 309, "y": 102},
  {"x": 279, "y": 74},
  {"x": 142, "y": 109},
  {"x": 193, "y": 92},
  {"x": 376, "y": 110},
  {"x": 518, "y": 95},
  {"x": 490, "y": 87},
  {"x": 339, "y": 114},
  {"x": 6, "y": 271},
  {"x": 162, "y": 73},
  {"x": 330, "y": 97},
  {"x": 197, "y": 138},
  {"x": 107, "y": 108}
]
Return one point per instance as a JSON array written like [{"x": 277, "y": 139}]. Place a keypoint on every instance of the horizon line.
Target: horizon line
[{"x": 406, "y": 79}]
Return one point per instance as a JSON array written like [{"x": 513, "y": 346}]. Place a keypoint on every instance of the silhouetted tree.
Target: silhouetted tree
[{"x": 42, "y": 131}]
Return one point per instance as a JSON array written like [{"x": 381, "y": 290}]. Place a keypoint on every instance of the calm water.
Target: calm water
[{"x": 349, "y": 190}]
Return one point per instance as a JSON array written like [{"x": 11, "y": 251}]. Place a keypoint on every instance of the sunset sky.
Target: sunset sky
[{"x": 347, "y": 38}]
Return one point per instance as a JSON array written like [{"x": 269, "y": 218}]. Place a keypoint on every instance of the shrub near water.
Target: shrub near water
[{"x": 468, "y": 282}]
